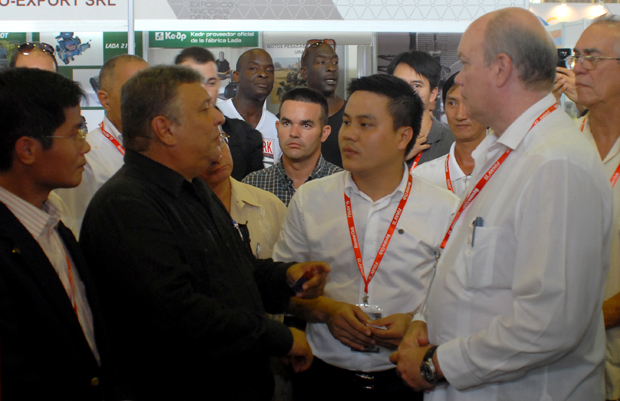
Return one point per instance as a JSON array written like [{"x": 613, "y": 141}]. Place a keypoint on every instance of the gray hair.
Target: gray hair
[
  {"x": 150, "y": 93},
  {"x": 610, "y": 21},
  {"x": 532, "y": 51}
]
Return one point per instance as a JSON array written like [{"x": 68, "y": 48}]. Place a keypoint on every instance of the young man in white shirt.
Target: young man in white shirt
[
  {"x": 254, "y": 77},
  {"x": 395, "y": 220},
  {"x": 453, "y": 171},
  {"x": 106, "y": 141},
  {"x": 597, "y": 75},
  {"x": 514, "y": 311}
]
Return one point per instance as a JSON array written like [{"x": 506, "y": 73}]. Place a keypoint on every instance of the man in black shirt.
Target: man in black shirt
[{"x": 184, "y": 298}]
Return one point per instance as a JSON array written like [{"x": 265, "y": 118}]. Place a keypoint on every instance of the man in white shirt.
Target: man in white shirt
[
  {"x": 453, "y": 171},
  {"x": 395, "y": 220},
  {"x": 254, "y": 77},
  {"x": 106, "y": 141},
  {"x": 49, "y": 313},
  {"x": 515, "y": 306},
  {"x": 597, "y": 72}
]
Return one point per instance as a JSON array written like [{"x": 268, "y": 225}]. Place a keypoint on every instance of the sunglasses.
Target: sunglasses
[
  {"x": 26, "y": 48},
  {"x": 313, "y": 43}
]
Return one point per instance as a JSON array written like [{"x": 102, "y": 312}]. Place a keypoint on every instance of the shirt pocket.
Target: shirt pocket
[{"x": 490, "y": 262}]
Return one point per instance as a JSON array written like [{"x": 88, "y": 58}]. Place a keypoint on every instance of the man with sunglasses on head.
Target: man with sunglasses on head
[
  {"x": 254, "y": 78},
  {"x": 50, "y": 324},
  {"x": 35, "y": 55},
  {"x": 423, "y": 73},
  {"x": 596, "y": 65},
  {"x": 319, "y": 67},
  {"x": 106, "y": 141}
]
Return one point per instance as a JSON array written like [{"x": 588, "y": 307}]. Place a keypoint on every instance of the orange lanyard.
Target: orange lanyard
[
  {"x": 485, "y": 178},
  {"x": 112, "y": 139},
  {"x": 616, "y": 175},
  {"x": 72, "y": 285},
  {"x": 416, "y": 161},
  {"x": 448, "y": 181},
  {"x": 386, "y": 239}
]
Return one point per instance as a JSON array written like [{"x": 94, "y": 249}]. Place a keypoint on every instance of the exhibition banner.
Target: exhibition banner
[{"x": 170, "y": 39}]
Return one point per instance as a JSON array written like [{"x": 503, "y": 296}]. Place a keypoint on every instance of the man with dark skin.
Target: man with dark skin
[
  {"x": 320, "y": 70},
  {"x": 254, "y": 77}
]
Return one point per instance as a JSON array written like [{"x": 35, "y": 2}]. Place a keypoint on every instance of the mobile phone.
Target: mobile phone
[{"x": 562, "y": 54}]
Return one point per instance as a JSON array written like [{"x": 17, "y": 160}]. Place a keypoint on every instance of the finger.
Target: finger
[{"x": 394, "y": 360}]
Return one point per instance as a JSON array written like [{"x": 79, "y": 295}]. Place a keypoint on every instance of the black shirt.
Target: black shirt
[
  {"x": 246, "y": 147},
  {"x": 184, "y": 298}
]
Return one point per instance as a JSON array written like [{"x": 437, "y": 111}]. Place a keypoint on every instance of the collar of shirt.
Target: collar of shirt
[
  {"x": 350, "y": 187},
  {"x": 107, "y": 124},
  {"x": 434, "y": 135},
  {"x": 34, "y": 219},
  {"x": 241, "y": 194},
  {"x": 163, "y": 176},
  {"x": 586, "y": 130},
  {"x": 455, "y": 170}
]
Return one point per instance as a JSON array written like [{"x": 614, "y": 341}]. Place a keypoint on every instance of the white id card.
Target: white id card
[{"x": 374, "y": 313}]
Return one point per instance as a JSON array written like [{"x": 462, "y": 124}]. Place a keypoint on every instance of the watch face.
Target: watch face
[{"x": 427, "y": 373}]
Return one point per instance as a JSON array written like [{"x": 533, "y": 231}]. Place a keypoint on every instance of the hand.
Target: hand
[
  {"x": 408, "y": 362},
  {"x": 396, "y": 328},
  {"x": 416, "y": 336},
  {"x": 565, "y": 83},
  {"x": 312, "y": 288},
  {"x": 611, "y": 312},
  {"x": 419, "y": 146},
  {"x": 347, "y": 323},
  {"x": 300, "y": 356}
]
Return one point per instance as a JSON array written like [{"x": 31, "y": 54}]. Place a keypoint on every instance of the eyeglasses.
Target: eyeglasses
[
  {"x": 312, "y": 43},
  {"x": 588, "y": 62},
  {"x": 26, "y": 48},
  {"x": 223, "y": 136},
  {"x": 80, "y": 137}
]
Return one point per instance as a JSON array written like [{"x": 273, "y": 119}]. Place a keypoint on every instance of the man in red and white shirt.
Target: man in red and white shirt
[
  {"x": 107, "y": 151},
  {"x": 49, "y": 320}
]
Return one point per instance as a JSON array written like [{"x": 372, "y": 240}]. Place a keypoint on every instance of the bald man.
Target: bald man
[
  {"x": 514, "y": 311},
  {"x": 254, "y": 77},
  {"x": 35, "y": 55},
  {"x": 107, "y": 151}
]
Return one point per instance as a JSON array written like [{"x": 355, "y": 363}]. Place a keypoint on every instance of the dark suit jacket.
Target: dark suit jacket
[{"x": 44, "y": 354}]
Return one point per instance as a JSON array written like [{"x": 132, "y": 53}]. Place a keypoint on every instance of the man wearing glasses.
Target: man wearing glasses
[
  {"x": 319, "y": 67},
  {"x": 50, "y": 325},
  {"x": 35, "y": 55},
  {"x": 596, "y": 65}
]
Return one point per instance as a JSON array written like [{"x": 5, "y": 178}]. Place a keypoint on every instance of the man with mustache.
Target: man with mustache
[{"x": 301, "y": 130}]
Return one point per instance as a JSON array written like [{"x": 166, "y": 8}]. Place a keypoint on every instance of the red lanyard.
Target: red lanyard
[
  {"x": 448, "y": 181},
  {"x": 416, "y": 161},
  {"x": 112, "y": 139},
  {"x": 386, "y": 240},
  {"x": 616, "y": 175},
  {"x": 485, "y": 178},
  {"x": 72, "y": 297}
]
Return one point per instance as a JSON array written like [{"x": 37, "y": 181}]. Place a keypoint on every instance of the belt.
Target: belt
[{"x": 363, "y": 380}]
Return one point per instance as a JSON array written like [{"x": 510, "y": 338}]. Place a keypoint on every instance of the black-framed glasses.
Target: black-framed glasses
[
  {"x": 80, "y": 137},
  {"x": 588, "y": 62},
  {"x": 316, "y": 43},
  {"x": 27, "y": 47}
]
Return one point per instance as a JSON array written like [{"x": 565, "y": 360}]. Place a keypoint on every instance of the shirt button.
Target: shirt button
[{"x": 94, "y": 382}]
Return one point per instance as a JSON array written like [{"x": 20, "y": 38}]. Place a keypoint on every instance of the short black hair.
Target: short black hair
[
  {"x": 150, "y": 93},
  {"x": 107, "y": 71},
  {"x": 423, "y": 63},
  {"x": 446, "y": 88},
  {"x": 404, "y": 104},
  {"x": 17, "y": 54},
  {"x": 196, "y": 53},
  {"x": 32, "y": 103},
  {"x": 308, "y": 95}
]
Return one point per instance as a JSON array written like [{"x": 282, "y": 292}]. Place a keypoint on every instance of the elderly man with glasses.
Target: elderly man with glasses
[{"x": 596, "y": 65}]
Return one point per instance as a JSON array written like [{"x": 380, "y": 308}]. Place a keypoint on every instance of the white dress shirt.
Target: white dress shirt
[
  {"x": 435, "y": 172},
  {"x": 518, "y": 315},
  {"x": 42, "y": 224},
  {"x": 612, "y": 366},
  {"x": 262, "y": 211},
  {"x": 316, "y": 228},
  {"x": 102, "y": 162},
  {"x": 266, "y": 126}
]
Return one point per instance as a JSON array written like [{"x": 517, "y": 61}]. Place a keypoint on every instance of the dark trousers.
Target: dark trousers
[{"x": 324, "y": 382}]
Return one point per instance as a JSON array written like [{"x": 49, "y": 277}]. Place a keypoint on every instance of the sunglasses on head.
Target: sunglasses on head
[
  {"x": 26, "y": 48},
  {"x": 318, "y": 42}
]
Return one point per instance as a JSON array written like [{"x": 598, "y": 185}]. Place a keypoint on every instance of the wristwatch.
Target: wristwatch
[{"x": 427, "y": 369}]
